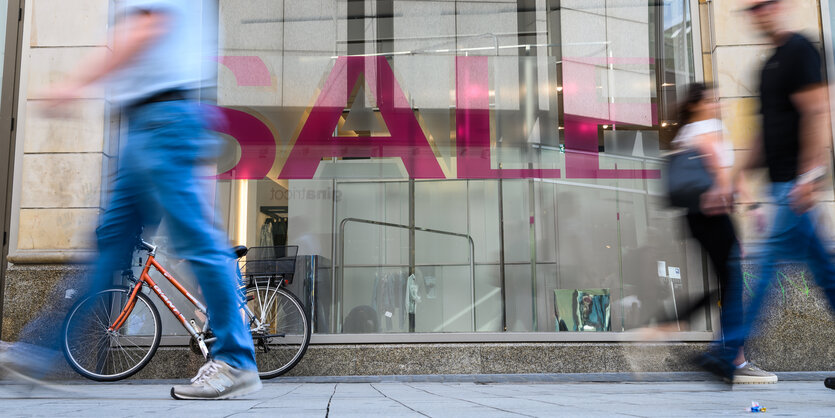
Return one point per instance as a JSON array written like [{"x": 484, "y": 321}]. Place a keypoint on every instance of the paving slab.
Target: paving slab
[{"x": 387, "y": 396}]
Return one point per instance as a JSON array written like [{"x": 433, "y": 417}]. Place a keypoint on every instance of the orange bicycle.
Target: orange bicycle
[{"x": 114, "y": 333}]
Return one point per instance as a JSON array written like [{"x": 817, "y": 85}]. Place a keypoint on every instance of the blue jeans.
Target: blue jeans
[
  {"x": 792, "y": 236},
  {"x": 162, "y": 176}
]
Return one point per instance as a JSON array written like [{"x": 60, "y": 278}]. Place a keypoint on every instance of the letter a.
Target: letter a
[{"x": 316, "y": 139}]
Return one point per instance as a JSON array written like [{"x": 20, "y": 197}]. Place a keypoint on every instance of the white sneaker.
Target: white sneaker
[
  {"x": 752, "y": 374},
  {"x": 218, "y": 380}
]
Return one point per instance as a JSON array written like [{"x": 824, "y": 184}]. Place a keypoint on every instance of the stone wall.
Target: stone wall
[
  {"x": 60, "y": 160},
  {"x": 734, "y": 54},
  {"x": 59, "y": 178}
]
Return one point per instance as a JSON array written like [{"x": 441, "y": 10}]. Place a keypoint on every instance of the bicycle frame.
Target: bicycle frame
[
  {"x": 190, "y": 327},
  {"x": 144, "y": 279}
]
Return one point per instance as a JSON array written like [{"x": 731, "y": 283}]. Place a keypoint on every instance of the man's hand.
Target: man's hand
[
  {"x": 717, "y": 201},
  {"x": 131, "y": 36},
  {"x": 803, "y": 197}
]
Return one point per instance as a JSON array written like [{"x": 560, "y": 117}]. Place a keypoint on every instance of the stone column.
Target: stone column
[
  {"x": 59, "y": 161},
  {"x": 796, "y": 329},
  {"x": 739, "y": 53}
]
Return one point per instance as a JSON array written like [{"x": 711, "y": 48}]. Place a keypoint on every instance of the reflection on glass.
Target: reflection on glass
[
  {"x": 582, "y": 310},
  {"x": 460, "y": 162}
]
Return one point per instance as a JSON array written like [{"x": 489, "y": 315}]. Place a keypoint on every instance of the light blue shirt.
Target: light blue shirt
[{"x": 181, "y": 58}]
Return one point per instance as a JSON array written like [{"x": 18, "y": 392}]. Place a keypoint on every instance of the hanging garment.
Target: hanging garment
[
  {"x": 266, "y": 239},
  {"x": 280, "y": 232}
]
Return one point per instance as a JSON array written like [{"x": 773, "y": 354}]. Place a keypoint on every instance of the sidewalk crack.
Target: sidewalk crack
[
  {"x": 328, "y": 411},
  {"x": 395, "y": 400},
  {"x": 469, "y": 401}
]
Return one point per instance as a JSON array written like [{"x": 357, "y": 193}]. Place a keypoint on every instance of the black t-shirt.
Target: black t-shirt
[{"x": 794, "y": 66}]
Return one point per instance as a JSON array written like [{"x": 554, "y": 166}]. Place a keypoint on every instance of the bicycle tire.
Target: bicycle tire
[
  {"x": 112, "y": 360},
  {"x": 282, "y": 340}
]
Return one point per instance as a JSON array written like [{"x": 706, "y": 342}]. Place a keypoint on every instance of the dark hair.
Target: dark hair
[{"x": 695, "y": 94}]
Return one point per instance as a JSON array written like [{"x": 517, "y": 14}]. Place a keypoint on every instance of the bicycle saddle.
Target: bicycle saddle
[{"x": 240, "y": 250}]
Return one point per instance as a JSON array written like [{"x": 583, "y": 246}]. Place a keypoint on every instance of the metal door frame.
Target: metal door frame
[{"x": 9, "y": 85}]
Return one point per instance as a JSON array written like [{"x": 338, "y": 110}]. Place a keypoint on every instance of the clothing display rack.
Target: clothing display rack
[
  {"x": 274, "y": 229},
  {"x": 275, "y": 212}
]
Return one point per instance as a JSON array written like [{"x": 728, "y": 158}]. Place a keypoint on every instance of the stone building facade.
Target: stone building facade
[{"x": 501, "y": 313}]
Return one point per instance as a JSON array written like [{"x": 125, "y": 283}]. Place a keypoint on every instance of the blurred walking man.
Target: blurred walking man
[
  {"x": 793, "y": 147},
  {"x": 157, "y": 64}
]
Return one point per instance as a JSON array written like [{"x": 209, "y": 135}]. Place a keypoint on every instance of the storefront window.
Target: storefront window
[{"x": 461, "y": 166}]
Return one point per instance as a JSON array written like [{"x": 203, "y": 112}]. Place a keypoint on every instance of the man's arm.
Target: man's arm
[
  {"x": 813, "y": 107},
  {"x": 131, "y": 37}
]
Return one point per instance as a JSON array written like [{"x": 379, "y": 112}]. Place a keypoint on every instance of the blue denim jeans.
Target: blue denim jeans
[
  {"x": 162, "y": 176},
  {"x": 793, "y": 236}
]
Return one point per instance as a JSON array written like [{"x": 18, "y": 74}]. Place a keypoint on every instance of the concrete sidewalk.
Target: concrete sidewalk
[{"x": 390, "y": 396}]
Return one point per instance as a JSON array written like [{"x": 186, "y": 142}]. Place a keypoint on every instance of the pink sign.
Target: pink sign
[{"x": 407, "y": 141}]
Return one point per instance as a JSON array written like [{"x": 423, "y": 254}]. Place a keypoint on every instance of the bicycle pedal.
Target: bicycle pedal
[{"x": 203, "y": 348}]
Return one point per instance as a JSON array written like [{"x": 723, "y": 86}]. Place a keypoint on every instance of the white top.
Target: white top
[
  {"x": 179, "y": 59},
  {"x": 688, "y": 134}
]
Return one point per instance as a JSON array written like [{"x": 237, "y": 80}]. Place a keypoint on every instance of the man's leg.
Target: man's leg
[
  {"x": 183, "y": 197},
  {"x": 38, "y": 351},
  {"x": 782, "y": 240}
]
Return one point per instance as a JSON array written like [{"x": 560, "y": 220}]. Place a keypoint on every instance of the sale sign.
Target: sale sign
[{"x": 407, "y": 141}]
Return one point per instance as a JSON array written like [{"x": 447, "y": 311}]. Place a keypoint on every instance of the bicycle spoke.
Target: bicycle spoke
[
  {"x": 270, "y": 302},
  {"x": 282, "y": 339},
  {"x": 260, "y": 303},
  {"x": 95, "y": 351}
]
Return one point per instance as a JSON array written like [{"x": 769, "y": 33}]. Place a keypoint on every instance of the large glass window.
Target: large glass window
[{"x": 461, "y": 166}]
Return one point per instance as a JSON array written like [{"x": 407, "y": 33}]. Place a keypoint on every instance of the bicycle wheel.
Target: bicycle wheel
[
  {"x": 280, "y": 329},
  {"x": 100, "y": 354}
]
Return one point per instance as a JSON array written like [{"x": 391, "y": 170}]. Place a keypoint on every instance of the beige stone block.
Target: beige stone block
[
  {"x": 707, "y": 62},
  {"x": 734, "y": 27},
  {"x": 81, "y": 131},
  {"x": 825, "y": 214},
  {"x": 827, "y": 188},
  {"x": 61, "y": 180},
  {"x": 69, "y": 23},
  {"x": 60, "y": 229},
  {"x": 48, "y": 66},
  {"x": 738, "y": 69},
  {"x": 704, "y": 26},
  {"x": 741, "y": 119}
]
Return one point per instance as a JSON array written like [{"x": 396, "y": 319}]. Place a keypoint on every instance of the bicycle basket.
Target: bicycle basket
[{"x": 270, "y": 264}]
